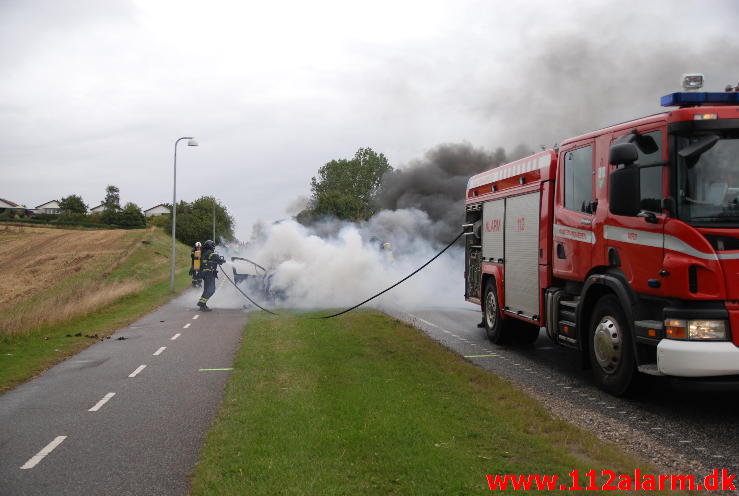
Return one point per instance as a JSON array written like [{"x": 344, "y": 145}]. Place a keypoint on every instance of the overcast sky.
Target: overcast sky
[{"x": 95, "y": 92}]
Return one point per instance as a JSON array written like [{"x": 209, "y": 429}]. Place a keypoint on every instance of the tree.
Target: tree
[
  {"x": 346, "y": 189},
  {"x": 111, "y": 205},
  {"x": 195, "y": 221},
  {"x": 72, "y": 204},
  {"x": 130, "y": 216},
  {"x": 112, "y": 198}
]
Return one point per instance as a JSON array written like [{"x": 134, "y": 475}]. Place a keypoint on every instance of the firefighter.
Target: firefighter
[
  {"x": 210, "y": 260},
  {"x": 388, "y": 249},
  {"x": 195, "y": 265}
]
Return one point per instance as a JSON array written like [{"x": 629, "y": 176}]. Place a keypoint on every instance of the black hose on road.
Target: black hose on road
[
  {"x": 365, "y": 301},
  {"x": 396, "y": 284}
]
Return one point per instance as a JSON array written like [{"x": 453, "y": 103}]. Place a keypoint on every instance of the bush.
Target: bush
[{"x": 159, "y": 221}]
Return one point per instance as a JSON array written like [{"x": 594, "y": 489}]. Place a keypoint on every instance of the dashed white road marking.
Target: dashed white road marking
[
  {"x": 135, "y": 372},
  {"x": 431, "y": 324},
  {"x": 160, "y": 350},
  {"x": 196, "y": 317},
  {"x": 41, "y": 454},
  {"x": 100, "y": 403},
  {"x": 186, "y": 326},
  {"x": 175, "y": 336}
]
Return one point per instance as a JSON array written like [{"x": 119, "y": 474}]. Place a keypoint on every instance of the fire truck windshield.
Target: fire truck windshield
[{"x": 708, "y": 179}]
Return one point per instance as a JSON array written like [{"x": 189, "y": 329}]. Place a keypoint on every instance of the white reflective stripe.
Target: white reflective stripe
[
  {"x": 633, "y": 236},
  {"x": 728, "y": 256},
  {"x": 680, "y": 246},
  {"x": 655, "y": 240},
  {"x": 574, "y": 234}
]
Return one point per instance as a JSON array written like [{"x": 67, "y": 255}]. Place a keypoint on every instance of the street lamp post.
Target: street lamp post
[{"x": 191, "y": 142}]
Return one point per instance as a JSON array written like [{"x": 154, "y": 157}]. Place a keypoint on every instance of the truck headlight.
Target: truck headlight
[
  {"x": 706, "y": 329},
  {"x": 697, "y": 330}
]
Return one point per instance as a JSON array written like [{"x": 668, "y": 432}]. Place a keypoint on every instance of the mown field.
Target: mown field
[
  {"x": 364, "y": 404},
  {"x": 64, "y": 289}
]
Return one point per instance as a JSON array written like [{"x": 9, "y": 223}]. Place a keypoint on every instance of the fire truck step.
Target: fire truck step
[{"x": 649, "y": 369}]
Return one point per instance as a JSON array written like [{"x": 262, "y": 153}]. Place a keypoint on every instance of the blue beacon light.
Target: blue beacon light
[{"x": 694, "y": 98}]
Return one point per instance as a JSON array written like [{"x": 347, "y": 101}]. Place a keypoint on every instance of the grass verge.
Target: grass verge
[{"x": 365, "y": 404}]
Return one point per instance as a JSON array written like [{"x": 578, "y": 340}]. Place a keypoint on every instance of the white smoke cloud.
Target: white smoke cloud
[{"x": 347, "y": 264}]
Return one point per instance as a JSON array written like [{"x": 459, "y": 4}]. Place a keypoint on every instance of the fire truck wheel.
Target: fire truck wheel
[
  {"x": 491, "y": 315},
  {"x": 610, "y": 347}
]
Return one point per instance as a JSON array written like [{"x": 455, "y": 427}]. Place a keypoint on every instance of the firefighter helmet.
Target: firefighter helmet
[
  {"x": 209, "y": 244},
  {"x": 197, "y": 244}
]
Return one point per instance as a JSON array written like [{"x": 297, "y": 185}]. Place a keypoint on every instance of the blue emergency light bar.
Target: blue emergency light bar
[{"x": 694, "y": 98}]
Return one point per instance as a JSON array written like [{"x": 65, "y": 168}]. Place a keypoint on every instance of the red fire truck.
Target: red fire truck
[{"x": 623, "y": 243}]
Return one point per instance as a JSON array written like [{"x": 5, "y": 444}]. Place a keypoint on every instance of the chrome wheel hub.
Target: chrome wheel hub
[
  {"x": 608, "y": 344},
  {"x": 491, "y": 310}
]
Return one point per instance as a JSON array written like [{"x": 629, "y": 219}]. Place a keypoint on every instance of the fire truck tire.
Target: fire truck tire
[
  {"x": 492, "y": 317},
  {"x": 610, "y": 347}
]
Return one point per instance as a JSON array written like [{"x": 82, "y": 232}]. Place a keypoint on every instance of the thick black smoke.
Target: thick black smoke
[
  {"x": 574, "y": 82},
  {"x": 436, "y": 183}
]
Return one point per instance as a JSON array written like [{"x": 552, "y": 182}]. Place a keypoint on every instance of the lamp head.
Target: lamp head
[{"x": 192, "y": 142}]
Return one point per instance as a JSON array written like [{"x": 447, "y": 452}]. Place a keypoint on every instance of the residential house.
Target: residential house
[
  {"x": 97, "y": 210},
  {"x": 157, "y": 210},
  {"x": 51, "y": 207},
  {"x": 7, "y": 205}
]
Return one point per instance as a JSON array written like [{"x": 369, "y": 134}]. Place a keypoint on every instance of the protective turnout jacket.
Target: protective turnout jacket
[{"x": 210, "y": 262}]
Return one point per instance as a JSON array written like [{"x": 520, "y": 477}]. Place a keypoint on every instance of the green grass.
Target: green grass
[
  {"x": 25, "y": 354},
  {"x": 364, "y": 404}
]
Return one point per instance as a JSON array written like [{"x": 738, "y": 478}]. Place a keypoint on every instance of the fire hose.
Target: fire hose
[{"x": 358, "y": 304}]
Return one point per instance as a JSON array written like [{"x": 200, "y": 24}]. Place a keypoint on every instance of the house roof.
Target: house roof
[
  {"x": 50, "y": 204},
  {"x": 155, "y": 206},
  {"x": 8, "y": 204}
]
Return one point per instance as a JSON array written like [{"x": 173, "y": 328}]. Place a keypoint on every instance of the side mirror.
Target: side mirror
[
  {"x": 699, "y": 146},
  {"x": 623, "y": 153},
  {"x": 624, "y": 188}
]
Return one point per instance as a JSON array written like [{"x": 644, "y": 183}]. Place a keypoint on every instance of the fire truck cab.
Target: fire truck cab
[{"x": 623, "y": 243}]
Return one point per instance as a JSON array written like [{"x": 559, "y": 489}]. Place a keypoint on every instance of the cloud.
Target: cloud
[{"x": 97, "y": 92}]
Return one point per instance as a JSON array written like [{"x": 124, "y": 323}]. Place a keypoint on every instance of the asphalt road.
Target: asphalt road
[
  {"x": 125, "y": 416},
  {"x": 665, "y": 420}
]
